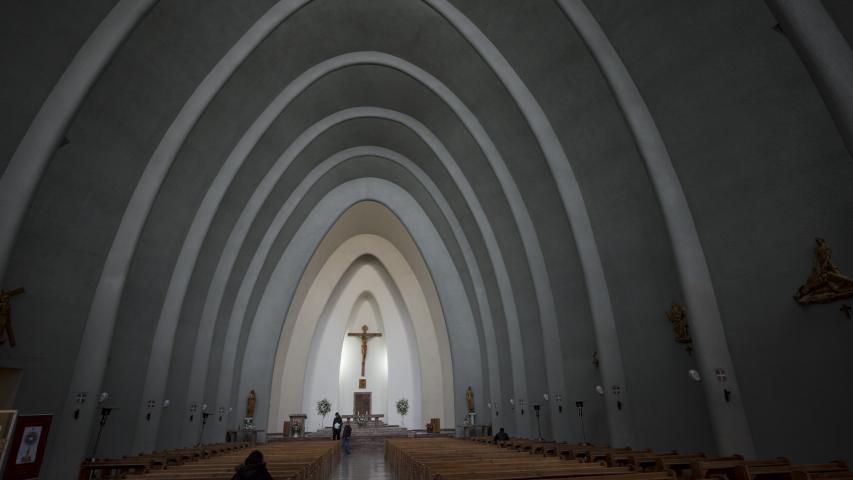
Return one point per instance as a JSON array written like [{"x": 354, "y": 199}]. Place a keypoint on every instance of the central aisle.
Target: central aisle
[{"x": 367, "y": 463}]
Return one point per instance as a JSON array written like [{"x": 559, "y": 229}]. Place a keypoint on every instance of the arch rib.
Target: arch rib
[{"x": 729, "y": 418}]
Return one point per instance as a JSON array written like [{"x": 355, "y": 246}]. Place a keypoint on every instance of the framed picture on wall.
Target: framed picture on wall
[
  {"x": 7, "y": 427},
  {"x": 26, "y": 449}
]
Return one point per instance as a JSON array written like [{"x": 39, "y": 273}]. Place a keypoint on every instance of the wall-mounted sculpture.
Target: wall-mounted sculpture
[
  {"x": 677, "y": 315},
  {"x": 6, "y": 332},
  {"x": 826, "y": 283}
]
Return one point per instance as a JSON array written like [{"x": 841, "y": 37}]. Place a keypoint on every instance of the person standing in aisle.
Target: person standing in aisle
[{"x": 345, "y": 440}]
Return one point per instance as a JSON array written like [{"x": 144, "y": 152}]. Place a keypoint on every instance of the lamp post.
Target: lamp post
[
  {"x": 538, "y": 424},
  {"x": 579, "y": 404},
  {"x": 204, "y": 416},
  {"x": 105, "y": 412}
]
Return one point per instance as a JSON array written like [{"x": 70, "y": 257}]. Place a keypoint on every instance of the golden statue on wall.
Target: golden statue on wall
[
  {"x": 250, "y": 404},
  {"x": 826, "y": 283},
  {"x": 677, "y": 315}
]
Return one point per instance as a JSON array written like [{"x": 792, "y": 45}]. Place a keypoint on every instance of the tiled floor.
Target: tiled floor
[{"x": 363, "y": 463}]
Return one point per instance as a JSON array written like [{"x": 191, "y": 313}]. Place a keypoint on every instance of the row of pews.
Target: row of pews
[
  {"x": 315, "y": 460},
  {"x": 523, "y": 459},
  {"x": 142, "y": 463}
]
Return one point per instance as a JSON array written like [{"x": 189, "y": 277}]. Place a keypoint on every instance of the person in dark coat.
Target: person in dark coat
[
  {"x": 337, "y": 423},
  {"x": 501, "y": 436},
  {"x": 253, "y": 468},
  {"x": 346, "y": 438}
]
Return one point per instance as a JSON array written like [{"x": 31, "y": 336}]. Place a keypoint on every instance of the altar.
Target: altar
[{"x": 375, "y": 418}]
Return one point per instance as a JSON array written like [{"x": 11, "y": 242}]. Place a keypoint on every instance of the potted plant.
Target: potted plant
[
  {"x": 323, "y": 408},
  {"x": 403, "y": 409}
]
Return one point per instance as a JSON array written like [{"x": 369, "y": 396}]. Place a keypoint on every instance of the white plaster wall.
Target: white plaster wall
[
  {"x": 364, "y": 312},
  {"x": 403, "y": 375},
  {"x": 430, "y": 339}
]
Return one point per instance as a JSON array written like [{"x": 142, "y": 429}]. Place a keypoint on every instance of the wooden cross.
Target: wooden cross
[{"x": 364, "y": 338}]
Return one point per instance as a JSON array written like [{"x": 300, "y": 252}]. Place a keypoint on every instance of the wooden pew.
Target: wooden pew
[
  {"x": 785, "y": 472},
  {"x": 726, "y": 467}
]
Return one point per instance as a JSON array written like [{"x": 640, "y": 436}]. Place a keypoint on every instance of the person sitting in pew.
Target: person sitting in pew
[
  {"x": 253, "y": 468},
  {"x": 501, "y": 436}
]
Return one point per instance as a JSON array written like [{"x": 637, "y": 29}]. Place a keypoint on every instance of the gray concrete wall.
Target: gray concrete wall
[{"x": 762, "y": 165}]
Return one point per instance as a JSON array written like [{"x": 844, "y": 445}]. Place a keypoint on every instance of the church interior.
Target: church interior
[{"x": 586, "y": 222}]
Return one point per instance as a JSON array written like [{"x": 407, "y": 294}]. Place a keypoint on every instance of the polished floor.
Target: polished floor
[{"x": 363, "y": 463}]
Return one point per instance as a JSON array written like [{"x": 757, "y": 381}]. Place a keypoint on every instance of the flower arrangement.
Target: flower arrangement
[
  {"x": 403, "y": 408},
  {"x": 323, "y": 408},
  {"x": 361, "y": 419}
]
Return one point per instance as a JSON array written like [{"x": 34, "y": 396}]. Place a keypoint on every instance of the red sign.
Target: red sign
[{"x": 27, "y": 449}]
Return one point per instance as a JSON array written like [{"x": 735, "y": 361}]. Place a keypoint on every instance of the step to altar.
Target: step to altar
[{"x": 369, "y": 430}]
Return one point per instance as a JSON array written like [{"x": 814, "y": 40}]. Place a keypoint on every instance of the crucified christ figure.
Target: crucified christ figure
[{"x": 364, "y": 338}]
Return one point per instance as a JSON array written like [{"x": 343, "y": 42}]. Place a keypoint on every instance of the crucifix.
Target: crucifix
[{"x": 364, "y": 338}]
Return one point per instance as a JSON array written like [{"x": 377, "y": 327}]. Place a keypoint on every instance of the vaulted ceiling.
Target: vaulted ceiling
[{"x": 582, "y": 164}]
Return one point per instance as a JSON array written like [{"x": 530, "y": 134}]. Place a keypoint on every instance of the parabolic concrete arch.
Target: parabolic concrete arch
[
  {"x": 233, "y": 246},
  {"x": 365, "y": 282},
  {"x": 108, "y": 292},
  {"x": 231, "y": 347},
  {"x": 91, "y": 359},
  {"x": 259, "y": 354},
  {"x": 400, "y": 279},
  {"x": 192, "y": 245},
  {"x": 607, "y": 338},
  {"x": 24, "y": 170},
  {"x": 248, "y": 285},
  {"x": 730, "y": 423}
]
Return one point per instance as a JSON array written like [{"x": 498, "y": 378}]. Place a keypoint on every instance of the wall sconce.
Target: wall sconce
[
  {"x": 80, "y": 399},
  {"x": 512, "y": 403},
  {"x": 521, "y": 404},
  {"x": 694, "y": 375},
  {"x": 150, "y": 404},
  {"x": 559, "y": 399},
  {"x": 166, "y": 403},
  {"x": 103, "y": 397},
  {"x": 616, "y": 391},
  {"x": 599, "y": 389},
  {"x": 221, "y": 412},
  {"x": 193, "y": 409}
]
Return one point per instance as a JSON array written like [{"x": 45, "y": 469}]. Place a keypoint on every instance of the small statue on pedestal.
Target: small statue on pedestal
[{"x": 249, "y": 421}]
